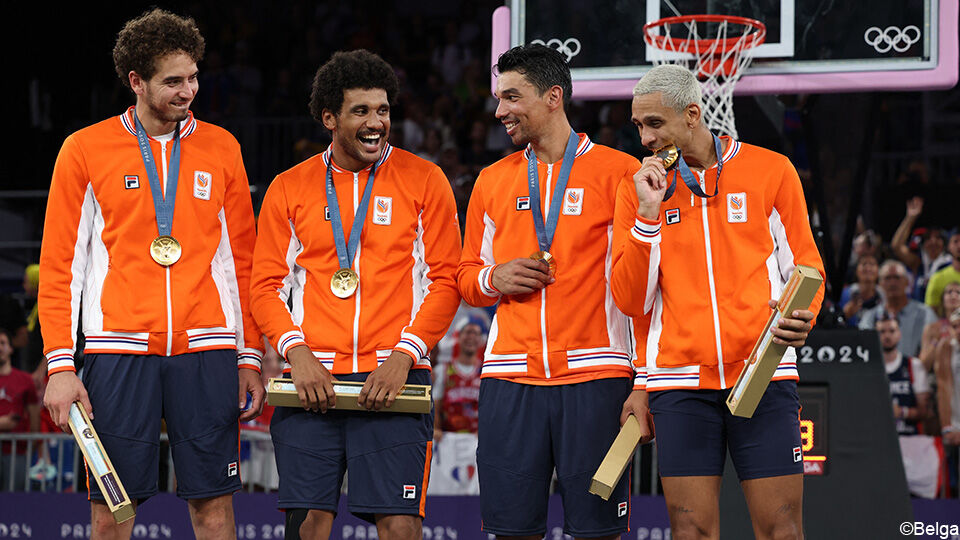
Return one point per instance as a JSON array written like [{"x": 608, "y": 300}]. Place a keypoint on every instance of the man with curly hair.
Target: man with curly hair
[
  {"x": 150, "y": 229},
  {"x": 361, "y": 242}
]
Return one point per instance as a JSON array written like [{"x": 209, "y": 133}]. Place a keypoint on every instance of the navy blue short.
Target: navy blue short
[
  {"x": 195, "y": 393},
  {"x": 525, "y": 432},
  {"x": 387, "y": 456},
  {"x": 694, "y": 429}
]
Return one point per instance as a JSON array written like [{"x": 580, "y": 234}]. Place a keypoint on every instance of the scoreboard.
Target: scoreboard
[
  {"x": 851, "y": 453},
  {"x": 814, "y": 428}
]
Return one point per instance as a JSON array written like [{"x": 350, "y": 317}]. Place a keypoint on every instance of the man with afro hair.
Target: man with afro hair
[{"x": 361, "y": 242}]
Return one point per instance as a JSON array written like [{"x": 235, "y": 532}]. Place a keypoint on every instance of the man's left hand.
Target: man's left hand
[
  {"x": 792, "y": 330},
  {"x": 250, "y": 382},
  {"x": 385, "y": 382}
]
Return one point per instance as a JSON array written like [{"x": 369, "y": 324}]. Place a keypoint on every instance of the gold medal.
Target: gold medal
[
  {"x": 668, "y": 154},
  {"x": 344, "y": 283},
  {"x": 546, "y": 257},
  {"x": 165, "y": 250}
]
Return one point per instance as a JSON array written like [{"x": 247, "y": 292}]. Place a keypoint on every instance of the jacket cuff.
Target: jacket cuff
[
  {"x": 60, "y": 360},
  {"x": 249, "y": 359},
  {"x": 646, "y": 231},
  {"x": 289, "y": 340}
]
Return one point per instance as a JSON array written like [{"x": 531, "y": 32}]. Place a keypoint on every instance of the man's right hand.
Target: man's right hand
[
  {"x": 313, "y": 382},
  {"x": 521, "y": 276},
  {"x": 62, "y": 390},
  {"x": 651, "y": 185}
]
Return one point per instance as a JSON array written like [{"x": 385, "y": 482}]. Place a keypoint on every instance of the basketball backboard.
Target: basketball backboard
[{"x": 812, "y": 46}]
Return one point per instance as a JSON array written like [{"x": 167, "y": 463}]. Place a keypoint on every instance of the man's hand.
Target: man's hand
[
  {"x": 651, "y": 185},
  {"x": 792, "y": 331},
  {"x": 9, "y": 422},
  {"x": 915, "y": 207},
  {"x": 384, "y": 383},
  {"x": 636, "y": 404},
  {"x": 521, "y": 276},
  {"x": 62, "y": 390},
  {"x": 952, "y": 438},
  {"x": 313, "y": 382},
  {"x": 250, "y": 382}
]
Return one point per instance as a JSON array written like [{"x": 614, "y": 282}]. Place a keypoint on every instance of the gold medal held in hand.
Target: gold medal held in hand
[
  {"x": 546, "y": 257},
  {"x": 344, "y": 283},
  {"x": 668, "y": 154},
  {"x": 165, "y": 250}
]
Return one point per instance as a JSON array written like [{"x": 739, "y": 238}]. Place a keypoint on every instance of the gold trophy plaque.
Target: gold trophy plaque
[
  {"x": 618, "y": 457},
  {"x": 762, "y": 364},
  {"x": 100, "y": 466},
  {"x": 413, "y": 398}
]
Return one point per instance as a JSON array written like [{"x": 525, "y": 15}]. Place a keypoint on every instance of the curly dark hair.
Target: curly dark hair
[
  {"x": 151, "y": 36},
  {"x": 542, "y": 66},
  {"x": 347, "y": 70}
]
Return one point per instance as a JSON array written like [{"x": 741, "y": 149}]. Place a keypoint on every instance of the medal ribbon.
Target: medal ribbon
[
  {"x": 346, "y": 252},
  {"x": 546, "y": 231},
  {"x": 687, "y": 175},
  {"x": 162, "y": 206}
]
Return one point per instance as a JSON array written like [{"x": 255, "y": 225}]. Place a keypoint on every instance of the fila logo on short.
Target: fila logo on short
[
  {"x": 202, "y": 182},
  {"x": 736, "y": 207},
  {"x": 131, "y": 181},
  {"x": 232, "y": 468},
  {"x": 797, "y": 454},
  {"x": 523, "y": 203},
  {"x": 409, "y": 491},
  {"x": 573, "y": 202},
  {"x": 382, "y": 210},
  {"x": 326, "y": 213},
  {"x": 622, "y": 509},
  {"x": 672, "y": 215}
]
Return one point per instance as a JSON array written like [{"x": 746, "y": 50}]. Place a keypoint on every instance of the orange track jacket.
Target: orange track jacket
[
  {"x": 570, "y": 331},
  {"x": 99, "y": 224},
  {"x": 406, "y": 262},
  {"x": 697, "y": 281}
]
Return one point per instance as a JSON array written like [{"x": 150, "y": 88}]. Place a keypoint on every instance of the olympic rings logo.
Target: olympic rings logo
[
  {"x": 565, "y": 48},
  {"x": 891, "y": 37}
]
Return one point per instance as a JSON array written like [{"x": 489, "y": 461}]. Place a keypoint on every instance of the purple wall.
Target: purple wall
[{"x": 51, "y": 516}]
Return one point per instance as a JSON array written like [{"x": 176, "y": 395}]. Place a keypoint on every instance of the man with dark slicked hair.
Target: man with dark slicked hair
[
  {"x": 557, "y": 369},
  {"x": 150, "y": 228},
  {"x": 362, "y": 241}
]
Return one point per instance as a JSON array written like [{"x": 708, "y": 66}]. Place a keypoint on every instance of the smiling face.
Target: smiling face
[
  {"x": 522, "y": 109},
  {"x": 360, "y": 129},
  {"x": 165, "y": 98}
]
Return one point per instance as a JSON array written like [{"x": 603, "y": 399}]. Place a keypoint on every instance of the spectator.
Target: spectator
[
  {"x": 948, "y": 395},
  {"x": 913, "y": 316},
  {"x": 928, "y": 254},
  {"x": 19, "y": 413},
  {"x": 456, "y": 389},
  {"x": 30, "y": 360},
  {"x": 945, "y": 275},
  {"x": 862, "y": 295},
  {"x": 910, "y": 393},
  {"x": 938, "y": 331},
  {"x": 865, "y": 243}
]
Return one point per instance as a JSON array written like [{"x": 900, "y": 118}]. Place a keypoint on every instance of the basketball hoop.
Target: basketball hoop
[{"x": 717, "y": 48}]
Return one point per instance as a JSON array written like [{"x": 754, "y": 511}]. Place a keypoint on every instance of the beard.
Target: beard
[{"x": 887, "y": 349}]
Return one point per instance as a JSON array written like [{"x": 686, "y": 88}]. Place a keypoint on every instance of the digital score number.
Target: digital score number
[{"x": 814, "y": 428}]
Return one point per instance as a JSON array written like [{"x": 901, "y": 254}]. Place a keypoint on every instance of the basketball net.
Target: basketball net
[{"x": 716, "y": 48}]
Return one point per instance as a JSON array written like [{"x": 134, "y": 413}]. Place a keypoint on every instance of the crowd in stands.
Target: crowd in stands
[{"x": 909, "y": 291}]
